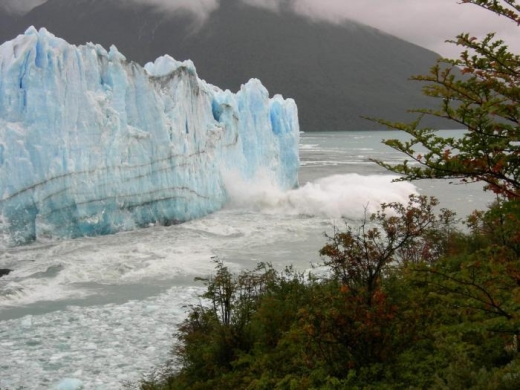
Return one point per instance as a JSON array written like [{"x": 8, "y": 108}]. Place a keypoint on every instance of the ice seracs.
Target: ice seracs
[
  {"x": 165, "y": 65},
  {"x": 91, "y": 143}
]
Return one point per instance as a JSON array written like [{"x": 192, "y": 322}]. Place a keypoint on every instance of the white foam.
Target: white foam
[
  {"x": 67, "y": 269},
  {"x": 337, "y": 196},
  {"x": 334, "y": 163},
  {"x": 308, "y": 147}
]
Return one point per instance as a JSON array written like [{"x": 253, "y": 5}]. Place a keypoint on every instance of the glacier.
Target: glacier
[{"x": 91, "y": 143}]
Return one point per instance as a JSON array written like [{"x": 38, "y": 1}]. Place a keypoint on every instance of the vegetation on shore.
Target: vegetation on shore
[
  {"x": 408, "y": 302},
  {"x": 407, "y": 299}
]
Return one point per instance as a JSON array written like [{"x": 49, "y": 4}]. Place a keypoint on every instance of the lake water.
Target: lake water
[{"x": 102, "y": 310}]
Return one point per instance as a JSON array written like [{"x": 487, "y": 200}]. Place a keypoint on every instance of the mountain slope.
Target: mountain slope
[{"x": 336, "y": 73}]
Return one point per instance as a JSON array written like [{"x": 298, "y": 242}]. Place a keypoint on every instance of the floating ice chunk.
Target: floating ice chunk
[
  {"x": 69, "y": 384},
  {"x": 149, "y": 309},
  {"x": 90, "y": 346},
  {"x": 26, "y": 322}
]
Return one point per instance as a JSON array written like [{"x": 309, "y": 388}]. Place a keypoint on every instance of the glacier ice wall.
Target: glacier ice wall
[{"x": 91, "y": 143}]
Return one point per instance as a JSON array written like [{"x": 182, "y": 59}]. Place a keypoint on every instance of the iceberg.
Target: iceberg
[{"x": 91, "y": 143}]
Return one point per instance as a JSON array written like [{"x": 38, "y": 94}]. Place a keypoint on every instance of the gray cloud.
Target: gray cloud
[
  {"x": 272, "y": 5},
  {"x": 20, "y": 6},
  {"x": 200, "y": 8},
  {"x": 427, "y": 23}
]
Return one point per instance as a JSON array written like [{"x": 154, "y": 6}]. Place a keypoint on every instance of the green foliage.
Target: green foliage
[
  {"x": 481, "y": 92},
  {"x": 380, "y": 320},
  {"x": 396, "y": 234},
  {"x": 389, "y": 315},
  {"x": 481, "y": 275}
]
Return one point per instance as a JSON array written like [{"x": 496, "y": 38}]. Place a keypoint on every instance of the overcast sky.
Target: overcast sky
[{"x": 425, "y": 22}]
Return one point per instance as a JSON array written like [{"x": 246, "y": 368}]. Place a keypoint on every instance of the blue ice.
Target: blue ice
[{"x": 91, "y": 143}]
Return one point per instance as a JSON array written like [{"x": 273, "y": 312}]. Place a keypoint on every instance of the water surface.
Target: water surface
[{"x": 103, "y": 309}]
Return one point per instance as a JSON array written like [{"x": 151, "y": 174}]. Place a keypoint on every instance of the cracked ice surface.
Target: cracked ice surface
[{"x": 93, "y": 144}]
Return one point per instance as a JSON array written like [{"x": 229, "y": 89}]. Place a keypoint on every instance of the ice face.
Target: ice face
[{"x": 93, "y": 144}]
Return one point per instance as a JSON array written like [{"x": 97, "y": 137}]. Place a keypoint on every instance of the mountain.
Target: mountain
[
  {"x": 336, "y": 73},
  {"x": 93, "y": 144}
]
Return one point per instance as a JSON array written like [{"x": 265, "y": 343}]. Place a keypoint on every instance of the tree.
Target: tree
[
  {"x": 358, "y": 323},
  {"x": 481, "y": 275},
  {"x": 397, "y": 233},
  {"x": 481, "y": 92}
]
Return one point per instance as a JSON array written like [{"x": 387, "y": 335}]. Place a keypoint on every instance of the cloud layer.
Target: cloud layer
[
  {"x": 200, "y": 8},
  {"x": 427, "y": 23},
  {"x": 20, "y": 6}
]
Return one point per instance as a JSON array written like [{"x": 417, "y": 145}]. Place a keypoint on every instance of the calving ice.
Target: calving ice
[{"x": 91, "y": 143}]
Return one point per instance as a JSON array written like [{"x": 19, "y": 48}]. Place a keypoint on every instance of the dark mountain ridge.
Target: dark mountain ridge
[{"x": 336, "y": 73}]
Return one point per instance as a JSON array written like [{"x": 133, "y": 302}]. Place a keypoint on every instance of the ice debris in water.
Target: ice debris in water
[
  {"x": 70, "y": 384},
  {"x": 91, "y": 143},
  {"x": 26, "y": 322},
  {"x": 102, "y": 346}
]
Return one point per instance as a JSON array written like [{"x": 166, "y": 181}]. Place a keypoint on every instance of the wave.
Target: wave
[{"x": 338, "y": 196}]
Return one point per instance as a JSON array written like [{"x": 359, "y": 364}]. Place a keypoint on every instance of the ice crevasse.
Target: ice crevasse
[{"x": 91, "y": 143}]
